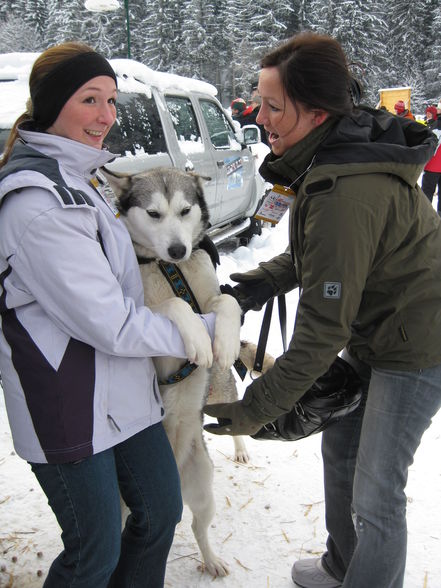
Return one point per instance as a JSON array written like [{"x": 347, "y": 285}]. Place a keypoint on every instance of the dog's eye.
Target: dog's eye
[
  {"x": 185, "y": 211},
  {"x": 153, "y": 213}
]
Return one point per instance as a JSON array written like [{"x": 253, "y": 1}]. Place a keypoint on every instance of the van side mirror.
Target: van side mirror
[{"x": 251, "y": 134}]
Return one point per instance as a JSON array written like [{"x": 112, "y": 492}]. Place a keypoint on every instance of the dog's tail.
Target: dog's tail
[{"x": 248, "y": 352}]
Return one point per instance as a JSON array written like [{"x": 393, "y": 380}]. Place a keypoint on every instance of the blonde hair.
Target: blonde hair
[{"x": 43, "y": 65}]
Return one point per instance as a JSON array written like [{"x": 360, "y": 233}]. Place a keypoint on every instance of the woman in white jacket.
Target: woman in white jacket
[{"x": 76, "y": 341}]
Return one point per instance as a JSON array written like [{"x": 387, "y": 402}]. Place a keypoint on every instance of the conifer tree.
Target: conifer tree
[
  {"x": 432, "y": 69},
  {"x": 222, "y": 41}
]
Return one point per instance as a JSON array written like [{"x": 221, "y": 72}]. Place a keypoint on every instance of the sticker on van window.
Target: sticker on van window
[{"x": 234, "y": 167}]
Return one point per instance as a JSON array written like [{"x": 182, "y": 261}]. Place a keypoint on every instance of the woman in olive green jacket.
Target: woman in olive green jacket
[{"x": 365, "y": 250}]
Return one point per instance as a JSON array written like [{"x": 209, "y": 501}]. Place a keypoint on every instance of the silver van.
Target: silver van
[{"x": 168, "y": 120}]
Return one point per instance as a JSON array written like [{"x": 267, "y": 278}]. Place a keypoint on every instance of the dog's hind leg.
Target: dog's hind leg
[
  {"x": 240, "y": 450},
  {"x": 197, "y": 492},
  {"x": 223, "y": 388}
]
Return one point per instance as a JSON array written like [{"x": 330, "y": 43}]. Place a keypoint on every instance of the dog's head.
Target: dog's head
[{"x": 164, "y": 210}]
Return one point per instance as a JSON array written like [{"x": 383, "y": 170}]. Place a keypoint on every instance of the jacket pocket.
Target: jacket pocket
[{"x": 391, "y": 335}]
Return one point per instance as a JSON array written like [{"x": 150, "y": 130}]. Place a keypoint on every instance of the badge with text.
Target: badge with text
[
  {"x": 106, "y": 194},
  {"x": 275, "y": 204}
]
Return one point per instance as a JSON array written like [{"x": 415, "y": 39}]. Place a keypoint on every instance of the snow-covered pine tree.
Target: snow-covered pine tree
[
  {"x": 222, "y": 41},
  {"x": 197, "y": 33},
  {"x": 409, "y": 45},
  {"x": 17, "y": 35},
  {"x": 432, "y": 59},
  {"x": 161, "y": 33},
  {"x": 35, "y": 16}
]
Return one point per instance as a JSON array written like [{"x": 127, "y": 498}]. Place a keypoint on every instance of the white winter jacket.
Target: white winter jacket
[{"x": 75, "y": 341}]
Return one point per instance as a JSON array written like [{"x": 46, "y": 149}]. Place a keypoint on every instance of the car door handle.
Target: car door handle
[
  {"x": 189, "y": 166},
  {"x": 220, "y": 163}
]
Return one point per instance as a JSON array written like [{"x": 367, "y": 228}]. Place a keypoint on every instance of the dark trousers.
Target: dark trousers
[
  {"x": 429, "y": 183},
  {"x": 85, "y": 498},
  {"x": 366, "y": 460}
]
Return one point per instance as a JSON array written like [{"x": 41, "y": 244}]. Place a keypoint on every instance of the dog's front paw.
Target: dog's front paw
[
  {"x": 226, "y": 345},
  {"x": 197, "y": 342},
  {"x": 225, "y": 350},
  {"x": 199, "y": 350}
]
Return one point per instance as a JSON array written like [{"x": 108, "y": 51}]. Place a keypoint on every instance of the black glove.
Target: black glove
[
  {"x": 251, "y": 292},
  {"x": 234, "y": 419}
]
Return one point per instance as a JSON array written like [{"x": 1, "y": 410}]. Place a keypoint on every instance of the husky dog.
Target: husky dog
[{"x": 166, "y": 214}]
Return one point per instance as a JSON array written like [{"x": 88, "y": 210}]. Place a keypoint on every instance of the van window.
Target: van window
[
  {"x": 184, "y": 122},
  {"x": 219, "y": 129},
  {"x": 4, "y": 134},
  {"x": 138, "y": 127}
]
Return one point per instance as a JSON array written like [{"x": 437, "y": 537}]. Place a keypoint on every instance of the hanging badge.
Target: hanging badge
[
  {"x": 107, "y": 196},
  {"x": 275, "y": 205}
]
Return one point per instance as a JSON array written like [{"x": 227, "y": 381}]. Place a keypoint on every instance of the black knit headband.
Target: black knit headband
[{"x": 54, "y": 90}]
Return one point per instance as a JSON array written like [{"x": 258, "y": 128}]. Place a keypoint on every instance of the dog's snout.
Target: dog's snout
[{"x": 177, "y": 251}]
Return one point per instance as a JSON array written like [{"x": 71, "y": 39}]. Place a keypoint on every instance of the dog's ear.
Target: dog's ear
[
  {"x": 207, "y": 245},
  {"x": 120, "y": 183},
  {"x": 199, "y": 192},
  {"x": 198, "y": 182}
]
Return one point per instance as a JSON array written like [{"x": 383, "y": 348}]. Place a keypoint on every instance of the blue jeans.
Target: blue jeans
[
  {"x": 85, "y": 498},
  {"x": 366, "y": 460}
]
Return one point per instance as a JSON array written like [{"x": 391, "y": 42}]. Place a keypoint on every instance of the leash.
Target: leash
[
  {"x": 264, "y": 330},
  {"x": 179, "y": 285}
]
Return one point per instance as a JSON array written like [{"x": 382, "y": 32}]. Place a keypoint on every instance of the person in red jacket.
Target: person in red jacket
[
  {"x": 432, "y": 172},
  {"x": 249, "y": 115},
  {"x": 401, "y": 110},
  {"x": 238, "y": 105}
]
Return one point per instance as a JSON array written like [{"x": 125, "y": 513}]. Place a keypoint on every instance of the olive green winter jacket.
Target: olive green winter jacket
[{"x": 365, "y": 250}]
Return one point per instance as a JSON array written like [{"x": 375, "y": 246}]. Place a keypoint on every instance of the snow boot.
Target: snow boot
[{"x": 309, "y": 573}]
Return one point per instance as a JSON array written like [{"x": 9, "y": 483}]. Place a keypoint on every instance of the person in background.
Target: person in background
[
  {"x": 365, "y": 252},
  {"x": 432, "y": 171},
  {"x": 237, "y": 106},
  {"x": 401, "y": 110},
  {"x": 76, "y": 341},
  {"x": 249, "y": 115}
]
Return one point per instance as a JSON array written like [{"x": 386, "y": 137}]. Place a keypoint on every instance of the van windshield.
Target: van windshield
[{"x": 137, "y": 128}]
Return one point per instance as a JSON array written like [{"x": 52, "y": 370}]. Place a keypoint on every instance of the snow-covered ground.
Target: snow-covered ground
[{"x": 269, "y": 511}]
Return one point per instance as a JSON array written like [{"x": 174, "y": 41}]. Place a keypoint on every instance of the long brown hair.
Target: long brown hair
[
  {"x": 314, "y": 72},
  {"x": 43, "y": 65}
]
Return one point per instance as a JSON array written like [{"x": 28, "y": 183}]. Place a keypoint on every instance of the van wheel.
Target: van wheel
[{"x": 255, "y": 228}]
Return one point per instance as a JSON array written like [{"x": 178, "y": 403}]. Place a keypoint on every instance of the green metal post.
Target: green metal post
[{"x": 126, "y": 4}]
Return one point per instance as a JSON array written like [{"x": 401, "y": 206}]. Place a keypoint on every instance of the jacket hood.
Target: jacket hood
[
  {"x": 367, "y": 141},
  {"x": 43, "y": 153},
  {"x": 387, "y": 143},
  {"x": 72, "y": 155}
]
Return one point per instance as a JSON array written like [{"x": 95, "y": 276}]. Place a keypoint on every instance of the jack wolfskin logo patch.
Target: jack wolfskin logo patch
[{"x": 331, "y": 290}]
